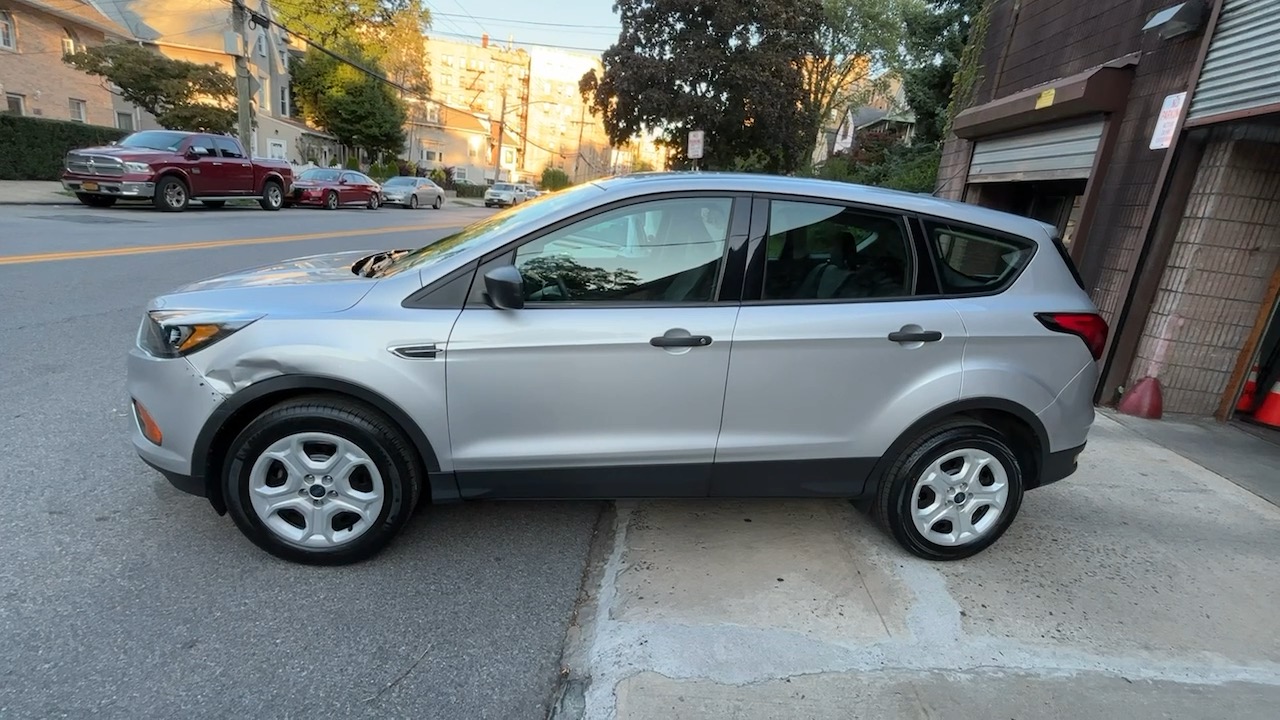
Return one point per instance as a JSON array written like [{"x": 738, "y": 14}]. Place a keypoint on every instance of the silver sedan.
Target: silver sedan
[{"x": 412, "y": 192}]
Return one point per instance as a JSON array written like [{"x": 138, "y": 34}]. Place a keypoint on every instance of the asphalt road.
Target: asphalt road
[{"x": 122, "y": 597}]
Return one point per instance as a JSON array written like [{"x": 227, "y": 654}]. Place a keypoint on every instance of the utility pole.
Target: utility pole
[
  {"x": 244, "y": 91},
  {"x": 582, "y": 125},
  {"x": 497, "y": 157}
]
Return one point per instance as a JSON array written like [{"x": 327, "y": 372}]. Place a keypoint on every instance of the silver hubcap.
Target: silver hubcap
[
  {"x": 960, "y": 498},
  {"x": 273, "y": 194},
  {"x": 175, "y": 195},
  {"x": 316, "y": 490}
]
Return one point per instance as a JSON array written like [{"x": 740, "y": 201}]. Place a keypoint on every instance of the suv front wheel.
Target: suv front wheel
[
  {"x": 321, "y": 480},
  {"x": 951, "y": 493}
]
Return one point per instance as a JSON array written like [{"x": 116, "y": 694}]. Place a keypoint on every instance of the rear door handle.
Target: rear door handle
[
  {"x": 901, "y": 336},
  {"x": 666, "y": 341}
]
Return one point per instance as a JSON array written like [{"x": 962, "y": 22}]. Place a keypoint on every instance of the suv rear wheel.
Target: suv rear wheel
[
  {"x": 321, "y": 480},
  {"x": 951, "y": 493}
]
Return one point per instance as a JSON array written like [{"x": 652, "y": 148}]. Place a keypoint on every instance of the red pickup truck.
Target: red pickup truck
[{"x": 172, "y": 168}]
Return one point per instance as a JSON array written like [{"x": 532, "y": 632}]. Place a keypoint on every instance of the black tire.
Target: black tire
[
  {"x": 95, "y": 201},
  {"x": 272, "y": 196},
  {"x": 331, "y": 201},
  {"x": 894, "y": 502},
  {"x": 171, "y": 195},
  {"x": 373, "y": 433},
  {"x": 438, "y": 203},
  {"x": 413, "y": 202},
  {"x": 373, "y": 203},
  {"x": 213, "y": 204}
]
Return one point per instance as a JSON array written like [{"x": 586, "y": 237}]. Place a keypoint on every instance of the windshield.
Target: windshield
[
  {"x": 502, "y": 187},
  {"x": 400, "y": 181},
  {"x": 482, "y": 232},
  {"x": 319, "y": 175},
  {"x": 154, "y": 140}
]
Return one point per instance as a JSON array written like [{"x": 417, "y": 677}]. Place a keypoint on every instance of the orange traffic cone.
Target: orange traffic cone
[
  {"x": 1269, "y": 412},
  {"x": 1250, "y": 389}
]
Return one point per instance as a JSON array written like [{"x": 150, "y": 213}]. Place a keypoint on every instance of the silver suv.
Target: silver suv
[{"x": 659, "y": 335}]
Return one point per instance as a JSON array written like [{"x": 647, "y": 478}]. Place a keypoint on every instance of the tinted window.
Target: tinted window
[
  {"x": 972, "y": 261},
  {"x": 155, "y": 140},
  {"x": 400, "y": 181},
  {"x": 829, "y": 252},
  {"x": 352, "y": 178},
  {"x": 319, "y": 175},
  {"x": 659, "y": 251},
  {"x": 504, "y": 187},
  {"x": 228, "y": 147}
]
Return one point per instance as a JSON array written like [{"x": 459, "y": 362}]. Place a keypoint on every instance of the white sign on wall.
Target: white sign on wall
[
  {"x": 1169, "y": 114},
  {"x": 696, "y": 138}
]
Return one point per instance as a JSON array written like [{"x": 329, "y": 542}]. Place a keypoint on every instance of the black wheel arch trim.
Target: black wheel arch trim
[
  {"x": 294, "y": 384},
  {"x": 962, "y": 407}
]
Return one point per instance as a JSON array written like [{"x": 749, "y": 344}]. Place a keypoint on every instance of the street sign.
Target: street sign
[
  {"x": 695, "y": 144},
  {"x": 1169, "y": 114}
]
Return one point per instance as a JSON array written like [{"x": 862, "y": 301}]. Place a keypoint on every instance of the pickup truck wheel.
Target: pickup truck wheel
[
  {"x": 97, "y": 201},
  {"x": 171, "y": 195},
  {"x": 213, "y": 204},
  {"x": 331, "y": 201},
  {"x": 272, "y": 196}
]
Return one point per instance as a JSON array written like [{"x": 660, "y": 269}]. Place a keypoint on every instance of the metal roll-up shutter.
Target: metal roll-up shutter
[
  {"x": 1064, "y": 152},
  {"x": 1240, "y": 70}
]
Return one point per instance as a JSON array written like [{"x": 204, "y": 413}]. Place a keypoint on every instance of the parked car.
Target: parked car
[
  {"x": 932, "y": 359},
  {"x": 172, "y": 168},
  {"x": 503, "y": 195},
  {"x": 332, "y": 188},
  {"x": 530, "y": 192},
  {"x": 412, "y": 192}
]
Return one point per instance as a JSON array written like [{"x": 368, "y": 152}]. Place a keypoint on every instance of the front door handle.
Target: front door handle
[
  {"x": 902, "y": 336},
  {"x": 668, "y": 341}
]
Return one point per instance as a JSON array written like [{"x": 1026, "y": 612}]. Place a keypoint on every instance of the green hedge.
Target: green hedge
[
  {"x": 34, "y": 148},
  {"x": 472, "y": 191}
]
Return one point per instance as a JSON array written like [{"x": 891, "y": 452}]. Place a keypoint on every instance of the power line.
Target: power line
[
  {"x": 523, "y": 42},
  {"x": 531, "y": 22},
  {"x": 464, "y": 9}
]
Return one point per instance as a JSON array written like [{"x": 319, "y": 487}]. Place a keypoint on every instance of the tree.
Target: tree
[
  {"x": 387, "y": 32},
  {"x": 733, "y": 68},
  {"x": 936, "y": 32},
  {"x": 359, "y": 109},
  {"x": 181, "y": 95},
  {"x": 554, "y": 179},
  {"x": 857, "y": 38}
]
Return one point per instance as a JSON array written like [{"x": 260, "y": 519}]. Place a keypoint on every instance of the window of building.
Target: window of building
[
  {"x": 829, "y": 252},
  {"x": 15, "y": 103},
  {"x": 662, "y": 250},
  {"x": 70, "y": 42},
  {"x": 8, "y": 31},
  {"x": 124, "y": 121},
  {"x": 262, "y": 45},
  {"x": 972, "y": 261},
  {"x": 79, "y": 112},
  {"x": 227, "y": 147},
  {"x": 460, "y": 175},
  {"x": 284, "y": 110},
  {"x": 276, "y": 150},
  {"x": 284, "y": 60},
  {"x": 262, "y": 94}
]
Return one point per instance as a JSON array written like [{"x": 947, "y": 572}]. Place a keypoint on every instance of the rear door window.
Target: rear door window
[
  {"x": 973, "y": 261},
  {"x": 228, "y": 148}
]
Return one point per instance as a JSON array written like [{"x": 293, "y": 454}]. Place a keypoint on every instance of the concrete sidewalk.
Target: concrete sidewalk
[
  {"x": 1142, "y": 587},
  {"x": 33, "y": 192}
]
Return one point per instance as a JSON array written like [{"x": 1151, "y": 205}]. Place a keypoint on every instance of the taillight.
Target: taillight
[{"x": 1089, "y": 327}]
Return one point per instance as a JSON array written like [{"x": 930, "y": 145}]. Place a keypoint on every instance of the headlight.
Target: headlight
[
  {"x": 174, "y": 333},
  {"x": 137, "y": 167}
]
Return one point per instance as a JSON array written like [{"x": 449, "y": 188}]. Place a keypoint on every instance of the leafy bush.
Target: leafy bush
[
  {"x": 882, "y": 160},
  {"x": 554, "y": 179},
  {"x": 466, "y": 190},
  {"x": 438, "y": 177},
  {"x": 34, "y": 148},
  {"x": 353, "y": 163}
]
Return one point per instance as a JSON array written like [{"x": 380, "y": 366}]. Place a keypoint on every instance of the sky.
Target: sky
[{"x": 581, "y": 25}]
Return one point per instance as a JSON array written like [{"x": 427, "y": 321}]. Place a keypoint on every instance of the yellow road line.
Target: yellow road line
[{"x": 172, "y": 247}]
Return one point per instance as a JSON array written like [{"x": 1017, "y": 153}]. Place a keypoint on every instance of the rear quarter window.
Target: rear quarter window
[{"x": 972, "y": 261}]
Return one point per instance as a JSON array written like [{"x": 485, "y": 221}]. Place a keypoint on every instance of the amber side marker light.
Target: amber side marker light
[{"x": 150, "y": 430}]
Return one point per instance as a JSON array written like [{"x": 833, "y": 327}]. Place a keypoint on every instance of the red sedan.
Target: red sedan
[{"x": 332, "y": 188}]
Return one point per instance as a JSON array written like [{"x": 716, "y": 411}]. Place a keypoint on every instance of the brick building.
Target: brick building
[
  {"x": 1148, "y": 132},
  {"x": 34, "y": 34}
]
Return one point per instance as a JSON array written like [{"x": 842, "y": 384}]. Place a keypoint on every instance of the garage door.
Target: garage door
[
  {"x": 1064, "y": 152},
  {"x": 1239, "y": 72}
]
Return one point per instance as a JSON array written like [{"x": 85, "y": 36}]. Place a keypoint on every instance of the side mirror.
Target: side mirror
[
  {"x": 504, "y": 288},
  {"x": 342, "y": 181}
]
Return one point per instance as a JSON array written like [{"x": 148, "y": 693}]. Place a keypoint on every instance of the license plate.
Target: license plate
[{"x": 89, "y": 186}]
